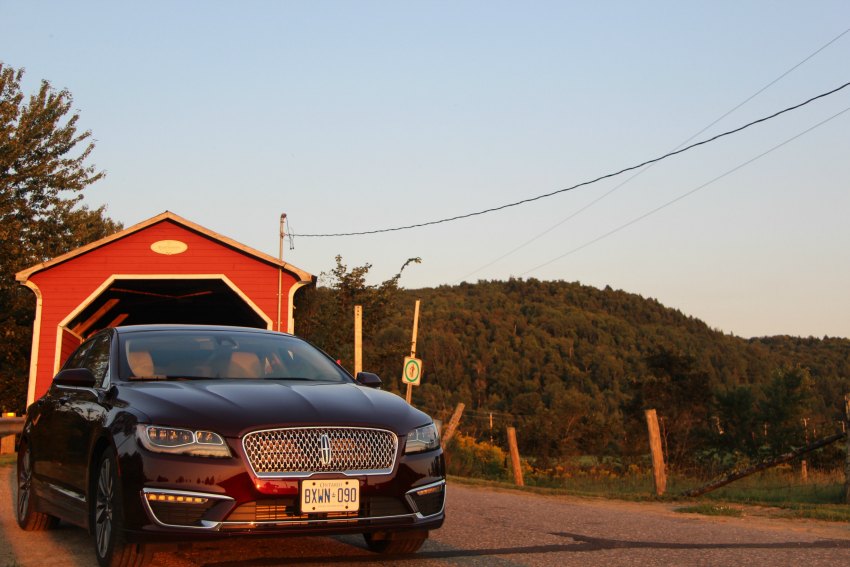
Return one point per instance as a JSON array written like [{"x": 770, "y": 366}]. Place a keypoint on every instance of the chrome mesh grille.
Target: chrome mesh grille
[{"x": 303, "y": 451}]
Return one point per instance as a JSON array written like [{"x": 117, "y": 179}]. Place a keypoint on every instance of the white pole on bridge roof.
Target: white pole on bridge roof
[{"x": 280, "y": 271}]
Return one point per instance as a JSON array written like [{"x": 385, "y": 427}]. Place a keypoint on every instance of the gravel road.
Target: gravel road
[{"x": 492, "y": 527}]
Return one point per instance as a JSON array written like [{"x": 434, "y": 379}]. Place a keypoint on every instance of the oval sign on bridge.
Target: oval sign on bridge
[{"x": 412, "y": 370}]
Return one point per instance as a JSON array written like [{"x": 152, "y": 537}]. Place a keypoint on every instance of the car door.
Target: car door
[
  {"x": 78, "y": 412},
  {"x": 49, "y": 448}
]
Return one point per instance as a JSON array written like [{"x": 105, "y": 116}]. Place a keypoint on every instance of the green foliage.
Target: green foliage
[
  {"x": 475, "y": 459},
  {"x": 573, "y": 368},
  {"x": 42, "y": 173},
  {"x": 326, "y": 315}
]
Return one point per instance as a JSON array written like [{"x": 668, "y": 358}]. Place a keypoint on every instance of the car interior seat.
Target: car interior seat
[
  {"x": 244, "y": 365},
  {"x": 141, "y": 363}
]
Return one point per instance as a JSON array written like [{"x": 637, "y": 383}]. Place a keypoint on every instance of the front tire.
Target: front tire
[
  {"x": 108, "y": 520},
  {"x": 395, "y": 542},
  {"x": 28, "y": 518}
]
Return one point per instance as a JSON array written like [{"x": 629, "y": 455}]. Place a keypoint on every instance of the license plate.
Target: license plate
[{"x": 337, "y": 495}]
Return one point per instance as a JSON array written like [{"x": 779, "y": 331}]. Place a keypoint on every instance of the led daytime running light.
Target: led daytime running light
[{"x": 175, "y": 498}]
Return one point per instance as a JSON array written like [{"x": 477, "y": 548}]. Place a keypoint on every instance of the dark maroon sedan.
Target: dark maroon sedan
[{"x": 159, "y": 434}]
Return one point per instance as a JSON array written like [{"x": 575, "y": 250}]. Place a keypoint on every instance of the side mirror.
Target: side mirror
[
  {"x": 77, "y": 377},
  {"x": 368, "y": 379}
]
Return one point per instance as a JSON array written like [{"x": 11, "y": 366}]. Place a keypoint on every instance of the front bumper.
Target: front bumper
[
  {"x": 170, "y": 498},
  {"x": 173, "y": 509}
]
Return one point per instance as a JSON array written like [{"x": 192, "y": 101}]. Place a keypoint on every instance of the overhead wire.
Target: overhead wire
[
  {"x": 289, "y": 234},
  {"x": 516, "y": 249},
  {"x": 770, "y": 84},
  {"x": 592, "y": 181},
  {"x": 687, "y": 194}
]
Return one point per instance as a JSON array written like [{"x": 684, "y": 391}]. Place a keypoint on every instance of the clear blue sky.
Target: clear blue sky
[{"x": 362, "y": 115}]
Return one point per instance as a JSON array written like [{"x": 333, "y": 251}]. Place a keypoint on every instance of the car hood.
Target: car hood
[{"x": 235, "y": 407}]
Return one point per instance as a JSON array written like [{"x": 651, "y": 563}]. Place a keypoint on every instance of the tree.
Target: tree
[
  {"x": 43, "y": 169},
  {"x": 326, "y": 314},
  {"x": 787, "y": 399}
]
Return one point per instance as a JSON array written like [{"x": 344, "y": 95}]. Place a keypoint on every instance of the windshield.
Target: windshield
[{"x": 223, "y": 354}]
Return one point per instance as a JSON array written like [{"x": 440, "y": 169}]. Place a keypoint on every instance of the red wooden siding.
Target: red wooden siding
[
  {"x": 69, "y": 345},
  {"x": 67, "y": 285}
]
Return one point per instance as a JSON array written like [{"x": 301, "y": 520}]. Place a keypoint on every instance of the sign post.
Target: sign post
[
  {"x": 412, "y": 366},
  {"x": 412, "y": 371},
  {"x": 358, "y": 339}
]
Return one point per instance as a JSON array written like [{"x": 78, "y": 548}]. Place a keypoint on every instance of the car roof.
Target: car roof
[{"x": 181, "y": 327}]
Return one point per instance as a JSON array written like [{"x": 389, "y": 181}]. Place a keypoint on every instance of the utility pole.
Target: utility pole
[{"x": 280, "y": 271}]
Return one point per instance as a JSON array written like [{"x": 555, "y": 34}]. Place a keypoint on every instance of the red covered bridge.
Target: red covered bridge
[{"x": 163, "y": 270}]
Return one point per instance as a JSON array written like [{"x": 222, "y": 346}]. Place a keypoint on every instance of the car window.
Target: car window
[
  {"x": 97, "y": 359},
  {"x": 219, "y": 354},
  {"x": 78, "y": 356},
  {"x": 94, "y": 355}
]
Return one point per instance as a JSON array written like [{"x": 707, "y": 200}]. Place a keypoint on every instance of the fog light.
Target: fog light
[
  {"x": 431, "y": 490},
  {"x": 175, "y": 498}
]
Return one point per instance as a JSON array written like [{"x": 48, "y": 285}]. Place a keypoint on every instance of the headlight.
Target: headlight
[
  {"x": 422, "y": 439},
  {"x": 182, "y": 441}
]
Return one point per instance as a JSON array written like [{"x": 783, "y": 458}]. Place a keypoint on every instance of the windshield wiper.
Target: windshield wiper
[{"x": 168, "y": 377}]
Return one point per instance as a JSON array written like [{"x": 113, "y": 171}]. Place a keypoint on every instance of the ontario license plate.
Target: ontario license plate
[{"x": 337, "y": 495}]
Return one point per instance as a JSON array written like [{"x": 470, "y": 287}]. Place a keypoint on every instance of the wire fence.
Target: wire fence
[{"x": 813, "y": 479}]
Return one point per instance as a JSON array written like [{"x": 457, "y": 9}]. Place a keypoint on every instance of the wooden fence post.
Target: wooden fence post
[
  {"x": 847, "y": 456},
  {"x": 658, "y": 471},
  {"x": 453, "y": 423},
  {"x": 516, "y": 465}
]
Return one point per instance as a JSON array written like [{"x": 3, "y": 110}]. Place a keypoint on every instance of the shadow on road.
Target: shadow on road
[
  {"x": 586, "y": 543},
  {"x": 581, "y": 544}
]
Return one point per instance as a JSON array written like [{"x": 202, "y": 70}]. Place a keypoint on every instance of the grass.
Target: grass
[
  {"x": 783, "y": 485},
  {"x": 778, "y": 492},
  {"x": 820, "y": 497}
]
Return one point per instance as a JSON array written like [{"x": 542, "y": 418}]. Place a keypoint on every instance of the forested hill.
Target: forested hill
[
  {"x": 578, "y": 365},
  {"x": 574, "y": 367}
]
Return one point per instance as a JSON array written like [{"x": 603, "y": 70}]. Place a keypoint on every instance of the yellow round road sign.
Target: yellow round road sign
[{"x": 412, "y": 370}]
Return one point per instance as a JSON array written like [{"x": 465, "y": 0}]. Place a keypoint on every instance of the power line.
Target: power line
[
  {"x": 770, "y": 84},
  {"x": 641, "y": 172},
  {"x": 585, "y": 183},
  {"x": 682, "y": 196}
]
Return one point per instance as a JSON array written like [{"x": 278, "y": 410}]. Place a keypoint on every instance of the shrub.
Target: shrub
[{"x": 479, "y": 459}]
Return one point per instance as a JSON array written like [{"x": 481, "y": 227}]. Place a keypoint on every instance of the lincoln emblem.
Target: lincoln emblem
[{"x": 325, "y": 449}]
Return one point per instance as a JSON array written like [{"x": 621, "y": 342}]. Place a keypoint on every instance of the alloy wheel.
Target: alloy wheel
[
  {"x": 24, "y": 483},
  {"x": 103, "y": 508}
]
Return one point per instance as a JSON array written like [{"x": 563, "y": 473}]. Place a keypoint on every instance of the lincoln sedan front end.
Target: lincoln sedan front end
[{"x": 165, "y": 433}]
